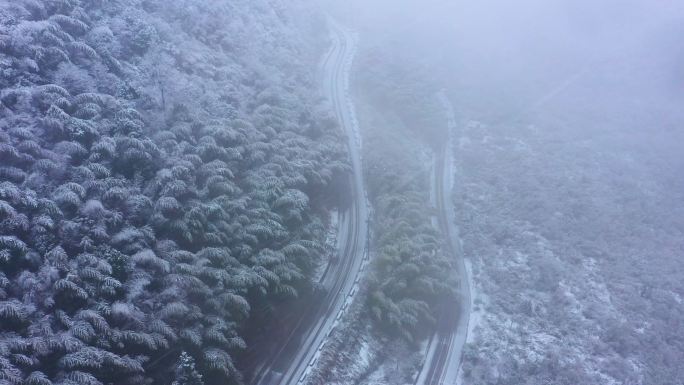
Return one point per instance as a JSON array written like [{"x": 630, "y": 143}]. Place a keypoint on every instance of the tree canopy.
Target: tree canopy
[{"x": 161, "y": 176}]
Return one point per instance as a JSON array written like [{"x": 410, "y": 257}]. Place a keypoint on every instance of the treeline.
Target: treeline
[
  {"x": 162, "y": 172},
  {"x": 411, "y": 275}
]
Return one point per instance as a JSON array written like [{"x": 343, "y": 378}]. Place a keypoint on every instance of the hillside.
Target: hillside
[{"x": 166, "y": 168}]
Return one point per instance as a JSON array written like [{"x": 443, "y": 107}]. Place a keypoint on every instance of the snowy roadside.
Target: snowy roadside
[
  {"x": 478, "y": 306},
  {"x": 330, "y": 246}
]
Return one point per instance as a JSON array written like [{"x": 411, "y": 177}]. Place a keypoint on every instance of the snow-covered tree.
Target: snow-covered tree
[
  {"x": 185, "y": 373},
  {"x": 160, "y": 181}
]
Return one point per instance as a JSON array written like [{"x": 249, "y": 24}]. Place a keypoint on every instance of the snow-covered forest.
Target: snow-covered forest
[
  {"x": 341, "y": 192},
  {"x": 166, "y": 167}
]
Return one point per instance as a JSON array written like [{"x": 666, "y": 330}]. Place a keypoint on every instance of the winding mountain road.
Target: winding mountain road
[
  {"x": 445, "y": 347},
  {"x": 299, "y": 352}
]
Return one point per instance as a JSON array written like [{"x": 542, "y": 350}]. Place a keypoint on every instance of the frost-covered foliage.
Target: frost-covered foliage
[
  {"x": 410, "y": 276},
  {"x": 186, "y": 374},
  {"x": 161, "y": 171},
  {"x": 591, "y": 294},
  {"x": 410, "y": 273}
]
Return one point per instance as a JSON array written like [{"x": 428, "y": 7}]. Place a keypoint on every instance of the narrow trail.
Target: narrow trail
[
  {"x": 444, "y": 352},
  {"x": 291, "y": 362}
]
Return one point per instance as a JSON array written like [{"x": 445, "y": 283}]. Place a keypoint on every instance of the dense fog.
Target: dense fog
[
  {"x": 568, "y": 182},
  {"x": 528, "y": 50}
]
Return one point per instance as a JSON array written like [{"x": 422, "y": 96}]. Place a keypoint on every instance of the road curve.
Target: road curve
[
  {"x": 445, "y": 348},
  {"x": 291, "y": 363}
]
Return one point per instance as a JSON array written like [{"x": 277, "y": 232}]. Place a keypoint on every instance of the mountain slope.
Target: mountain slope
[{"x": 163, "y": 167}]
